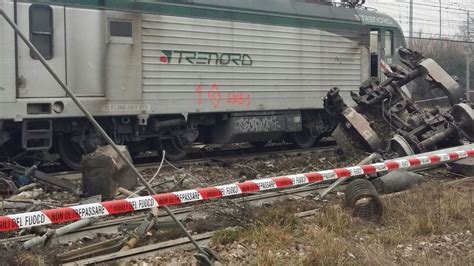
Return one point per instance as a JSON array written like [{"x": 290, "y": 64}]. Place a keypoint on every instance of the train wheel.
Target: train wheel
[
  {"x": 11, "y": 150},
  {"x": 70, "y": 152},
  {"x": 173, "y": 145},
  {"x": 304, "y": 139}
]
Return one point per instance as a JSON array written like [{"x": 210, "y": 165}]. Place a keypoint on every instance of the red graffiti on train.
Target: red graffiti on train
[
  {"x": 239, "y": 98},
  {"x": 198, "y": 90},
  {"x": 215, "y": 96}
]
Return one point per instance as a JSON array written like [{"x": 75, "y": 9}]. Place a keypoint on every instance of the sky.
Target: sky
[{"x": 454, "y": 14}]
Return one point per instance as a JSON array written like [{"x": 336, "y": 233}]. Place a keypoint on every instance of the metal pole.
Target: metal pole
[
  {"x": 468, "y": 58},
  {"x": 440, "y": 30},
  {"x": 75, "y": 100},
  {"x": 95, "y": 123},
  {"x": 411, "y": 23}
]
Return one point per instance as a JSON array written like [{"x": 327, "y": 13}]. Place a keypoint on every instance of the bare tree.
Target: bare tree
[{"x": 451, "y": 55}]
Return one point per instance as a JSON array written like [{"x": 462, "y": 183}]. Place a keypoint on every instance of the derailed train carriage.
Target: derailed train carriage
[{"x": 165, "y": 74}]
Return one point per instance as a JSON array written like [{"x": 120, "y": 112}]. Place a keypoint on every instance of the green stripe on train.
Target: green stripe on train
[{"x": 303, "y": 14}]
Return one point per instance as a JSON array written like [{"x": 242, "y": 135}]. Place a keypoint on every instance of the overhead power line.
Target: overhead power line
[
  {"x": 427, "y": 18},
  {"x": 468, "y": 8}
]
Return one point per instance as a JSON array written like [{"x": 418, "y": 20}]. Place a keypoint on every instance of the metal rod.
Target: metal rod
[
  {"x": 75, "y": 100},
  {"x": 41, "y": 240},
  {"x": 95, "y": 123},
  {"x": 440, "y": 20},
  {"x": 411, "y": 24},
  {"x": 17, "y": 72},
  {"x": 468, "y": 58},
  {"x": 366, "y": 160}
]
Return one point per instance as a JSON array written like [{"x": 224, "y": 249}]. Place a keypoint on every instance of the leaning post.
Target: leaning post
[{"x": 96, "y": 125}]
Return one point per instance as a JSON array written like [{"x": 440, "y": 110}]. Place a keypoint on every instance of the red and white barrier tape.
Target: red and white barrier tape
[{"x": 54, "y": 216}]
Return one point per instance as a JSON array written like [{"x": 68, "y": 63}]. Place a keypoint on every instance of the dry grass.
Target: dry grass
[
  {"x": 328, "y": 249},
  {"x": 425, "y": 211},
  {"x": 17, "y": 256},
  {"x": 266, "y": 258},
  {"x": 333, "y": 237},
  {"x": 226, "y": 236},
  {"x": 373, "y": 254},
  {"x": 334, "y": 219},
  {"x": 269, "y": 228},
  {"x": 272, "y": 229},
  {"x": 269, "y": 236}
]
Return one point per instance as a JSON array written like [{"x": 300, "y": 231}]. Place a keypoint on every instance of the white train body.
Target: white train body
[{"x": 254, "y": 76}]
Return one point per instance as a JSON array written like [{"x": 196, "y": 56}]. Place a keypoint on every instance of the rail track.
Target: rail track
[
  {"x": 158, "y": 248},
  {"x": 164, "y": 221},
  {"x": 110, "y": 226},
  {"x": 184, "y": 243},
  {"x": 201, "y": 154},
  {"x": 219, "y": 156}
]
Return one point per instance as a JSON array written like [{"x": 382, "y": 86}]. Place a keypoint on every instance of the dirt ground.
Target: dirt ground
[
  {"x": 174, "y": 177},
  {"x": 187, "y": 176},
  {"x": 432, "y": 224}
]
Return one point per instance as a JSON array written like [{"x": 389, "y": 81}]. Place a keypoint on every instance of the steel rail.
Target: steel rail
[
  {"x": 109, "y": 226},
  {"x": 78, "y": 212},
  {"x": 152, "y": 249},
  {"x": 224, "y": 158}
]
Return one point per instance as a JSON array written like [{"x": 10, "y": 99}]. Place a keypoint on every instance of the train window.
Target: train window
[
  {"x": 374, "y": 53},
  {"x": 121, "y": 28},
  {"x": 41, "y": 30},
  {"x": 374, "y": 41},
  {"x": 121, "y": 32},
  {"x": 388, "y": 43}
]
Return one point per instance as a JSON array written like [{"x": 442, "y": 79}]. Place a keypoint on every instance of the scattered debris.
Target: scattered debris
[
  {"x": 464, "y": 167},
  {"x": 27, "y": 194},
  {"x": 363, "y": 199},
  {"x": 50, "y": 234},
  {"x": 35, "y": 174},
  {"x": 140, "y": 232},
  {"x": 104, "y": 247},
  {"x": 422, "y": 233},
  {"x": 369, "y": 159},
  {"x": 386, "y": 117},
  {"x": 8, "y": 204},
  {"x": 7, "y": 187},
  {"x": 21, "y": 178},
  {"x": 397, "y": 180}
]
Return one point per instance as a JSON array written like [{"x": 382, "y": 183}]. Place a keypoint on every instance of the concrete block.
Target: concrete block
[
  {"x": 463, "y": 167},
  {"x": 103, "y": 171}
]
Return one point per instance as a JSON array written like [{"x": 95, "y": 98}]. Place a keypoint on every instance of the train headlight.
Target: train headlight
[{"x": 58, "y": 107}]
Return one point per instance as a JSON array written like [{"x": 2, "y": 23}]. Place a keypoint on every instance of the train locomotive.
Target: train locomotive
[{"x": 162, "y": 75}]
